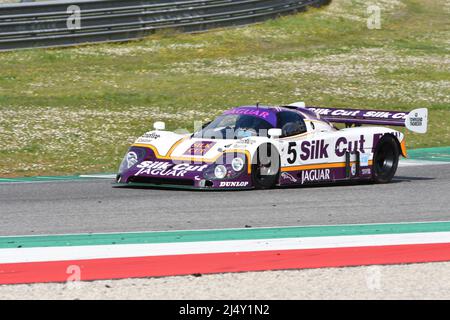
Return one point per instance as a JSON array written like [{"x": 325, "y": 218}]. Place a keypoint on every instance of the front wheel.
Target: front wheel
[
  {"x": 266, "y": 170},
  {"x": 385, "y": 159}
]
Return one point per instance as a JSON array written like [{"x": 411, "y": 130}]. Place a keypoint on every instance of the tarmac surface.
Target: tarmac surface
[{"x": 417, "y": 193}]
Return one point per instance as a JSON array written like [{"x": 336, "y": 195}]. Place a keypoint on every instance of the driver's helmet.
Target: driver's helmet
[{"x": 245, "y": 127}]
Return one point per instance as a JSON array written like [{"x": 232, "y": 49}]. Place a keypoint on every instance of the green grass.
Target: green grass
[{"x": 75, "y": 110}]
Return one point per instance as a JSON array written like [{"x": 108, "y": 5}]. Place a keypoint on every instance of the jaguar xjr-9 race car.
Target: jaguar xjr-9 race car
[{"x": 263, "y": 147}]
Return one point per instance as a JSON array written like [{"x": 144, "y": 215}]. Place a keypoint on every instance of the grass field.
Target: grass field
[{"x": 75, "y": 110}]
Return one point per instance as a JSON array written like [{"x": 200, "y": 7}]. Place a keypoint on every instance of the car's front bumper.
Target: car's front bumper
[{"x": 156, "y": 172}]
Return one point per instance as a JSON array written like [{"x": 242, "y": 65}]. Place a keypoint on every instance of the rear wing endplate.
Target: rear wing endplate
[{"x": 415, "y": 120}]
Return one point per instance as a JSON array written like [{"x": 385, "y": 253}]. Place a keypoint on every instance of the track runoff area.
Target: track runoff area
[{"x": 80, "y": 257}]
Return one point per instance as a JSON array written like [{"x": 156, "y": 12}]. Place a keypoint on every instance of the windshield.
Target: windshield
[{"x": 234, "y": 126}]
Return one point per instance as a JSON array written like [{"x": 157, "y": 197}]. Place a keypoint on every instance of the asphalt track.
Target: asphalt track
[{"x": 417, "y": 193}]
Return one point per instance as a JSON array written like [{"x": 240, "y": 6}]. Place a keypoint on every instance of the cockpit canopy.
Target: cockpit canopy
[
  {"x": 242, "y": 122},
  {"x": 233, "y": 126}
]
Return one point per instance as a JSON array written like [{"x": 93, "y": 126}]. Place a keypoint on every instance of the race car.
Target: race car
[{"x": 263, "y": 147}]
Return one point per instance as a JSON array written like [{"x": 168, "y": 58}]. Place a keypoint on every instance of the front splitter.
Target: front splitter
[{"x": 175, "y": 186}]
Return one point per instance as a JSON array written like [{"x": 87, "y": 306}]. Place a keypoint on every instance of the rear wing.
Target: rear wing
[{"x": 415, "y": 120}]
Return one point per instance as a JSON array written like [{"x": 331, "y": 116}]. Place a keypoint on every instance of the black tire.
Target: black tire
[
  {"x": 266, "y": 167},
  {"x": 385, "y": 159}
]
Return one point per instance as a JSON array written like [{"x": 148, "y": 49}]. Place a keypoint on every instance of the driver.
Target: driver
[{"x": 245, "y": 127}]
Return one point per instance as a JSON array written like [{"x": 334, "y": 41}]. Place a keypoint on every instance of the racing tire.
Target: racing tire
[
  {"x": 266, "y": 169},
  {"x": 385, "y": 159}
]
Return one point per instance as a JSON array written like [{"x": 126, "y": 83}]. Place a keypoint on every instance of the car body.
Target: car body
[{"x": 262, "y": 147}]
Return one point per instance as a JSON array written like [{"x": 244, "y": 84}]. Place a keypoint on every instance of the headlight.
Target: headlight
[
  {"x": 220, "y": 171},
  {"x": 237, "y": 164},
  {"x": 130, "y": 159}
]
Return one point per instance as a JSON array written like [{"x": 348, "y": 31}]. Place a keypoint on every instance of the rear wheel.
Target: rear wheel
[
  {"x": 266, "y": 170},
  {"x": 385, "y": 159}
]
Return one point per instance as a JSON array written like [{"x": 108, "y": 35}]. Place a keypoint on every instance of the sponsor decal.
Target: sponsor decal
[
  {"x": 385, "y": 115},
  {"x": 416, "y": 121},
  {"x": 159, "y": 168},
  {"x": 318, "y": 149},
  {"x": 243, "y": 143},
  {"x": 151, "y": 135},
  {"x": 148, "y": 137},
  {"x": 359, "y": 113},
  {"x": 338, "y": 112},
  {"x": 315, "y": 175},
  {"x": 307, "y": 150},
  {"x": 233, "y": 184},
  {"x": 199, "y": 148},
  {"x": 238, "y": 146},
  {"x": 353, "y": 169},
  {"x": 288, "y": 176},
  {"x": 248, "y": 141},
  {"x": 343, "y": 146},
  {"x": 364, "y": 160},
  {"x": 250, "y": 112},
  {"x": 255, "y": 112}
]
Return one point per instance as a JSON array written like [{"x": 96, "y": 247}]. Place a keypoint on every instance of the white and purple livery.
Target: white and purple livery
[{"x": 263, "y": 147}]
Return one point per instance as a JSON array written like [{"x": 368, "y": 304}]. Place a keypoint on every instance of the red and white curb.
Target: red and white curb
[{"x": 310, "y": 248}]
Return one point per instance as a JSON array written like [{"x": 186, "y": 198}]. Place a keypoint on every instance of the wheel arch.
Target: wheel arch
[
  {"x": 270, "y": 145},
  {"x": 400, "y": 144}
]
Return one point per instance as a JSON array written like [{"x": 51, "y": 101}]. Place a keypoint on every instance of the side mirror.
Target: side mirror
[
  {"x": 275, "y": 133},
  {"x": 159, "y": 125}
]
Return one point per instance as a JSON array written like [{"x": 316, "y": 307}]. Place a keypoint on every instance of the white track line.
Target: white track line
[
  {"x": 98, "y": 176},
  {"x": 415, "y": 163},
  {"x": 222, "y": 229},
  {"x": 17, "y": 255}
]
